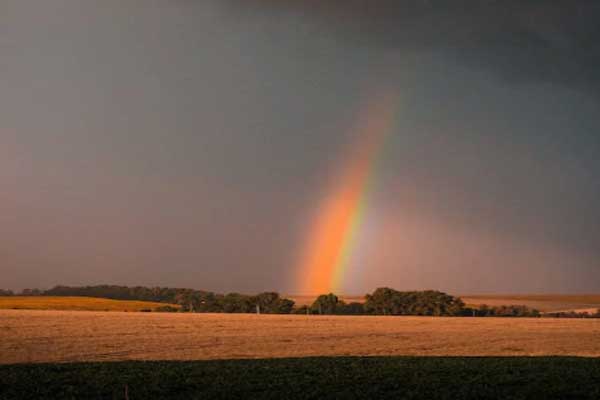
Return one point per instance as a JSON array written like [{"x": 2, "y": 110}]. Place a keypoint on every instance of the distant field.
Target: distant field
[
  {"x": 543, "y": 303},
  {"x": 75, "y": 304},
  {"x": 66, "y": 336},
  {"x": 435, "y": 378}
]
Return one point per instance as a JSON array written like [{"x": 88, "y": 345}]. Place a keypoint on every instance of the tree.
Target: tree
[
  {"x": 237, "y": 303},
  {"x": 382, "y": 301},
  {"x": 326, "y": 304},
  {"x": 302, "y": 310},
  {"x": 353, "y": 308},
  {"x": 31, "y": 292},
  {"x": 387, "y": 301},
  {"x": 271, "y": 303}
]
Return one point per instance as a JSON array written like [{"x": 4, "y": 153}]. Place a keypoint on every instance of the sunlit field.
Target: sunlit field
[
  {"x": 543, "y": 303},
  {"x": 66, "y": 336},
  {"x": 76, "y": 304}
]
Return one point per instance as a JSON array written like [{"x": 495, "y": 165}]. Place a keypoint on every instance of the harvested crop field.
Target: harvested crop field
[
  {"x": 543, "y": 303},
  {"x": 69, "y": 336},
  {"x": 77, "y": 304}
]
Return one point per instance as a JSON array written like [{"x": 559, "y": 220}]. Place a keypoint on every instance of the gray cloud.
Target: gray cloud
[{"x": 518, "y": 41}]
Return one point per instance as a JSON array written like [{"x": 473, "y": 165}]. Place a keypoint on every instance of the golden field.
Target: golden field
[
  {"x": 75, "y": 304},
  {"x": 541, "y": 302},
  {"x": 67, "y": 336}
]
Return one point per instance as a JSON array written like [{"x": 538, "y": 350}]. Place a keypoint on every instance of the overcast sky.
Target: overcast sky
[{"x": 188, "y": 143}]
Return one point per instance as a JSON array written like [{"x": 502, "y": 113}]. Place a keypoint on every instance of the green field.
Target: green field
[{"x": 310, "y": 378}]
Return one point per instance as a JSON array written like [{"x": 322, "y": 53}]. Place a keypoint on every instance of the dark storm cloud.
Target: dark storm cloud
[{"x": 519, "y": 41}]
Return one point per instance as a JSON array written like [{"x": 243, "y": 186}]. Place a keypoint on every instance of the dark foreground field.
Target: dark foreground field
[{"x": 310, "y": 378}]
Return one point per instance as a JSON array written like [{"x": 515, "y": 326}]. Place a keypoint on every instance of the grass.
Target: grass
[
  {"x": 76, "y": 304},
  {"x": 311, "y": 378}
]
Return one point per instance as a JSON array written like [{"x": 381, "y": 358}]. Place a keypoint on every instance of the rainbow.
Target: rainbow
[{"x": 333, "y": 234}]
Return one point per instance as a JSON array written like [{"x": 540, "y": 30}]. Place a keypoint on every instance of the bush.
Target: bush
[
  {"x": 572, "y": 314},
  {"x": 302, "y": 310},
  {"x": 353, "y": 308},
  {"x": 166, "y": 309},
  {"x": 502, "y": 311}
]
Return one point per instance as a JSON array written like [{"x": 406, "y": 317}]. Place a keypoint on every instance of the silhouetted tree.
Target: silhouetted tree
[
  {"x": 506, "y": 311},
  {"x": 302, "y": 310},
  {"x": 387, "y": 301},
  {"x": 237, "y": 303},
  {"x": 353, "y": 308},
  {"x": 326, "y": 304},
  {"x": 271, "y": 303},
  {"x": 31, "y": 292}
]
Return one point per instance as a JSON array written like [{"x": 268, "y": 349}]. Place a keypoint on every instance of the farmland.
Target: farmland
[
  {"x": 543, "y": 303},
  {"x": 112, "y": 355},
  {"x": 66, "y": 336},
  {"x": 75, "y": 304}
]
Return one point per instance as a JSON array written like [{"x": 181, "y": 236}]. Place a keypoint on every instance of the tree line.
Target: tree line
[
  {"x": 573, "y": 314},
  {"x": 190, "y": 300},
  {"x": 387, "y": 301},
  {"x": 383, "y": 301}
]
